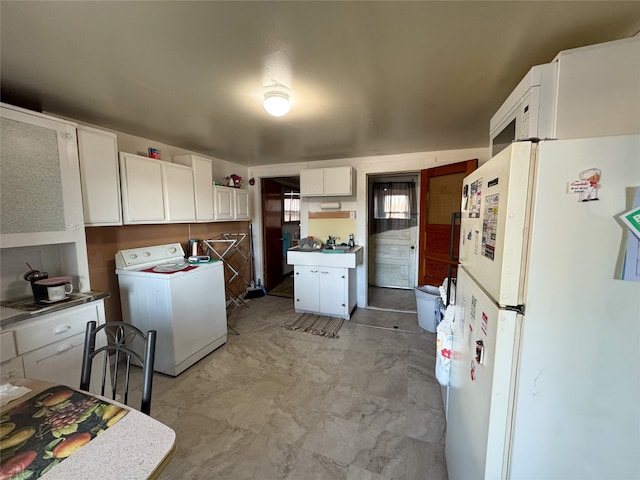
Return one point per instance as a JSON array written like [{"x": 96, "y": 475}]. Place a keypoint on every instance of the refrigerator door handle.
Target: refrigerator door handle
[{"x": 454, "y": 216}]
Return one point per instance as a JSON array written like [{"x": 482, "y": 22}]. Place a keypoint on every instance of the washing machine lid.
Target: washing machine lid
[{"x": 148, "y": 257}]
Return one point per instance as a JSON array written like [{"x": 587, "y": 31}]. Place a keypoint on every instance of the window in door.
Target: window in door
[
  {"x": 291, "y": 208},
  {"x": 394, "y": 205}
]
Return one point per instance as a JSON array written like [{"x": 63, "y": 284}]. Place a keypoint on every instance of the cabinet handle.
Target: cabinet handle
[
  {"x": 61, "y": 329},
  {"x": 64, "y": 347}
]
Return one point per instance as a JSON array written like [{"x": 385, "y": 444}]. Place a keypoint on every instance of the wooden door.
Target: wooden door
[
  {"x": 272, "y": 232},
  {"x": 440, "y": 196}
]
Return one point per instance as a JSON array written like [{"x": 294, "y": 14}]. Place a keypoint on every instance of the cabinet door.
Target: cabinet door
[
  {"x": 338, "y": 181},
  {"x": 332, "y": 291},
  {"x": 142, "y": 195},
  {"x": 202, "y": 181},
  {"x": 40, "y": 183},
  {"x": 306, "y": 284},
  {"x": 179, "y": 193},
  {"x": 312, "y": 182},
  {"x": 242, "y": 204},
  {"x": 100, "y": 177},
  {"x": 223, "y": 203},
  {"x": 202, "y": 177}
]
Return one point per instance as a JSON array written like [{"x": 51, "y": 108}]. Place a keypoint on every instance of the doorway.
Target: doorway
[
  {"x": 392, "y": 240},
  {"x": 440, "y": 194},
  {"x": 281, "y": 230}
]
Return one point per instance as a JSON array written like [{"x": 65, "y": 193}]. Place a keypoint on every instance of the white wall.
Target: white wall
[{"x": 364, "y": 166}]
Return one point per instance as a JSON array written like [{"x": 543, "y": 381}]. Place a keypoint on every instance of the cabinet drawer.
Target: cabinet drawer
[
  {"x": 7, "y": 346},
  {"x": 58, "y": 363},
  {"x": 54, "y": 327}
]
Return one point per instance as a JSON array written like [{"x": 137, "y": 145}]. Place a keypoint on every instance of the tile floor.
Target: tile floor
[
  {"x": 385, "y": 298},
  {"x": 276, "y": 404}
]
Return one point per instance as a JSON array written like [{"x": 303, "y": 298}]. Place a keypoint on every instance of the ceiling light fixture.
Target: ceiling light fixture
[{"x": 277, "y": 103}]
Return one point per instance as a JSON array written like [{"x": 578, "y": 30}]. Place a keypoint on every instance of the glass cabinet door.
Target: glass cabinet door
[{"x": 40, "y": 181}]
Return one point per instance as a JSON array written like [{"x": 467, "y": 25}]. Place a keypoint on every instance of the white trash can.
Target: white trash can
[{"x": 427, "y": 298}]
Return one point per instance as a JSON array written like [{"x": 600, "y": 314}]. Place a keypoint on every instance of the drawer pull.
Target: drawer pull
[
  {"x": 64, "y": 347},
  {"x": 61, "y": 329}
]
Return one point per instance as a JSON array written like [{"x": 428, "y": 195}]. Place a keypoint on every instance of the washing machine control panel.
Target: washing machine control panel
[{"x": 138, "y": 258}]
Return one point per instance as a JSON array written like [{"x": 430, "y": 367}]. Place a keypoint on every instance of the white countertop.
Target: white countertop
[
  {"x": 9, "y": 315},
  {"x": 347, "y": 259},
  {"x": 130, "y": 449}
]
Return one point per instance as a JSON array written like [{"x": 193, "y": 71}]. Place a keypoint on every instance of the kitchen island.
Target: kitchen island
[{"x": 325, "y": 280}]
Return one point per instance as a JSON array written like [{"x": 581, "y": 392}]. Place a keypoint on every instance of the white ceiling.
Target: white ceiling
[{"x": 368, "y": 78}]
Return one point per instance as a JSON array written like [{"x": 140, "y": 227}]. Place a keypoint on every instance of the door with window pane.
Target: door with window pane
[
  {"x": 440, "y": 196},
  {"x": 392, "y": 234}
]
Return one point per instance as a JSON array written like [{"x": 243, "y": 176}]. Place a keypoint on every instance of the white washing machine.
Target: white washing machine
[{"x": 184, "y": 302}]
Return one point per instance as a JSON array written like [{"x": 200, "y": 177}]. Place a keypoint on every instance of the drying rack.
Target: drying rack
[{"x": 227, "y": 247}]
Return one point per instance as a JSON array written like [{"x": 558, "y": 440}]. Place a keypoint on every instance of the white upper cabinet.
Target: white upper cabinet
[
  {"x": 99, "y": 176},
  {"x": 179, "y": 193},
  {"x": 154, "y": 191},
  {"x": 230, "y": 204},
  {"x": 40, "y": 183},
  {"x": 142, "y": 195},
  {"x": 312, "y": 181},
  {"x": 334, "y": 181},
  {"x": 202, "y": 179},
  {"x": 242, "y": 204}
]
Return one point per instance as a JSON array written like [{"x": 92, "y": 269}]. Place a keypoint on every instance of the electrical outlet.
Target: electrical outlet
[{"x": 352, "y": 215}]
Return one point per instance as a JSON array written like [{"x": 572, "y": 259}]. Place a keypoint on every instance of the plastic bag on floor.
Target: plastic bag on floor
[{"x": 444, "y": 344}]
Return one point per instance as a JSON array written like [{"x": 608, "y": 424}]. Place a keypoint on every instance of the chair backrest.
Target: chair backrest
[{"x": 127, "y": 344}]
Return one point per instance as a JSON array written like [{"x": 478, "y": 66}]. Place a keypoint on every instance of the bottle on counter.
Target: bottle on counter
[{"x": 352, "y": 242}]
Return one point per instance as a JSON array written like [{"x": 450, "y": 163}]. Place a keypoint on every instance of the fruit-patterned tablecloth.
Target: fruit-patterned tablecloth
[{"x": 39, "y": 433}]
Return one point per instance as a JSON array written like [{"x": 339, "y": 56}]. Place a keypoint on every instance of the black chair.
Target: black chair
[{"x": 122, "y": 340}]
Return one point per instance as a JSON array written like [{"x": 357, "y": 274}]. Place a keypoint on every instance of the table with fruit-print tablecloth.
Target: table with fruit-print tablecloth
[{"x": 58, "y": 432}]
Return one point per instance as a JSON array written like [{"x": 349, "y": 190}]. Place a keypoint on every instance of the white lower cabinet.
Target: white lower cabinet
[
  {"x": 60, "y": 362},
  {"x": 50, "y": 347},
  {"x": 324, "y": 290}
]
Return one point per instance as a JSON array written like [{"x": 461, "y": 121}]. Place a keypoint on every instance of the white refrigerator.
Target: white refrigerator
[{"x": 545, "y": 369}]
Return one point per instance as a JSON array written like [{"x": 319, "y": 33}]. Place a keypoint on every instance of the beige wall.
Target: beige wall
[{"x": 104, "y": 242}]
